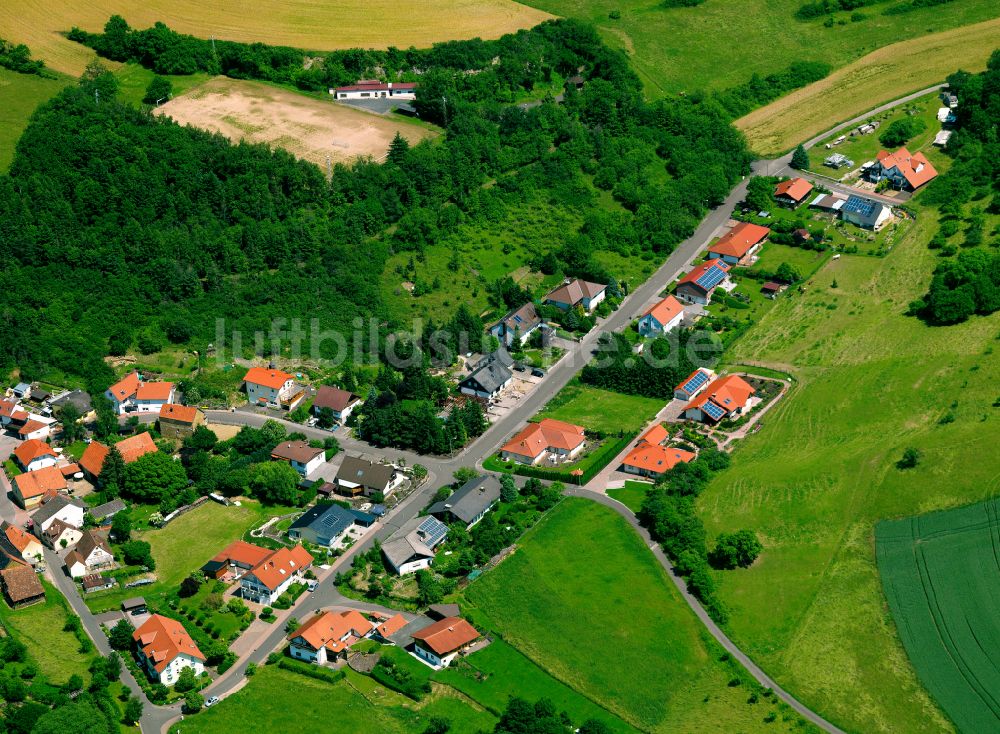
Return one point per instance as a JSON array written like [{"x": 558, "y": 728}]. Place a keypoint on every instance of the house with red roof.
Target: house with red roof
[
  {"x": 439, "y": 644},
  {"x": 132, "y": 394},
  {"x": 375, "y": 89},
  {"x": 340, "y": 402},
  {"x": 699, "y": 284},
  {"x": 327, "y": 636},
  {"x": 548, "y": 440},
  {"x": 34, "y": 454},
  {"x": 235, "y": 559},
  {"x": 270, "y": 578},
  {"x": 26, "y": 544},
  {"x": 694, "y": 383},
  {"x": 131, "y": 449},
  {"x": 739, "y": 244},
  {"x": 270, "y": 388},
  {"x": 662, "y": 317},
  {"x": 179, "y": 421},
  {"x": 165, "y": 649},
  {"x": 650, "y": 458},
  {"x": 37, "y": 427},
  {"x": 7, "y": 410},
  {"x": 32, "y": 487},
  {"x": 792, "y": 191},
  {"x": 903, "y": 170},
  {"x": 726, "y": 397}
]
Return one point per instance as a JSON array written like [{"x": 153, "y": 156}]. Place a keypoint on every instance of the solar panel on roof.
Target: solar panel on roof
[
  {"x": 697, "y": 380},
  {"x": 864, "y": 207},
  {"x": 711, "y": 277},
  {"x": 433, "y": 531},
  {"x": 713, "y": 410}
]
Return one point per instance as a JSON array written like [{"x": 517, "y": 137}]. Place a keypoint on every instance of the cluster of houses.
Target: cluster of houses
[
  {"x": 24, "y": 421},
  {"x": 20, "y": 553}
]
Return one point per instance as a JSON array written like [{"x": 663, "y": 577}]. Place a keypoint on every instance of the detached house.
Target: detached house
[
  {"x": 33, "y": 455},
  {"x": 7, "y": 410},
  {"x": 341, "y": 402},
  {"x": 694, "y": 383},
  {"x": 235, "y": 559},
  {"x": 92, "y": 553},
  {"x": 548, "y": 440},
  {"x": 375, "y": 89},
  {"x": 699, "y": 284},
  {"x": 726, "y": 397},
  {"x": 411, "y": 548},
  {"x": 270, "y": 578},
  {"x": 793, "y": 191},
  {"x": 133, "y": 395},
  {"x": 24, "y": 543},
  {"x": 360, "y": 476},
  {"x": 469, "y": 503},
  {"x": 865, "y": 213},
  {"x": 270, "y": 388},
  {"x": 650, "y": 458},
  {"x": 739, "y": 244},
  {"x": 165, "y": 649},
  {"x": 327, "y": 636},
  {"x": 903, "y": 170},
  {"x": 32, "y": 487},
  {"x": 304, "y": 458},
  {"x": 662, "y": 317},
  {"x": 489, "y": 376},
  {"x": 131, "y": 449},
  {"x": 179, "y": 421},
  {"x": 439, "y": 644},
  {"x": 516, "y": 326},
  {"x": 36, "y": 427},
  {"x": 575, "y": 293},
  {"x": 326, "y": 523}
]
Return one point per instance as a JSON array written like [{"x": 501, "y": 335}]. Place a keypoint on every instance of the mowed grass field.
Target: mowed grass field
[
  {"x": 20, "y": 95},
  {"x": 876, "y": 78},
  {"x": 940, "y": 573},
  {"x": 309, "y": 24},
  {"x": 601, "y": 410},
  {"x": 870, "y": 382},
  {"x": 306, "y": 127},
  {"x": 721, "y": 43},
  {"x": 585, "y": 599}
]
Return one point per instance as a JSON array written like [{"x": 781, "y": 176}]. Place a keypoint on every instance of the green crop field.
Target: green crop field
[
  {"x": 601, "y": 410},
  {"x": 585, "y": 599},
  {"x": 20, "y": 94},
  {"x": 870, "y": 382},
  {"x": 940, "y": 573}
]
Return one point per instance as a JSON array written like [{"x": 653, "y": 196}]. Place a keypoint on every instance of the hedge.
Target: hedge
[{"x": 313, "y": 671}]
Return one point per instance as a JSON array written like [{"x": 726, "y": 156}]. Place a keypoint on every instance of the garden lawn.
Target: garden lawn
[
  {"x": 870, "y": 382},
  {"x": 20, "y": 95},
  {"x": 133, "y": 80},
  {"x": 585, "y": 600},
  {"x": 40, "y": 628},
  {"x": 601, "y": 410},
  {"x": 631, "y": 495}
]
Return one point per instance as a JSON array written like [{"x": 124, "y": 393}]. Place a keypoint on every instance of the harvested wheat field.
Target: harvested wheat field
[
  {"x": 318, "y": 25},
  {"x": 306, "y": 127},
  {"x": 881, "y": 76}
]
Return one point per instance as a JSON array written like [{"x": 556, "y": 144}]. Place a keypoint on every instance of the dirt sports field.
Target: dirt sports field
[
  {"x": 306, "y": 127},
  {"x": 879, "y": 77},
  {"x": 320, "y": 25}
]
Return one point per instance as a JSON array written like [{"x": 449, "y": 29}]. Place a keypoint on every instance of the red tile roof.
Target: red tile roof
[
  {"x": 154, "y": 391},
  {"x": 739, "y": 240},
  {"x": 179, "y": 413},
  {"x": 916, "y": 169},
  {"x": 130, "y": 448},
  {"x": 334, "y": 398},
  {"x": 246, "y": 554},
  {"x": 69, "y": 470},
  {"x": 665, "y": 311},
  {"x": 7, "y": 408},
  {"x": 31, "y": 427},
  {"x": 31, "y": 450},
  {"x": 535, "y": 438},
  {"x": 162, "y": 639},
  {"x": 18, "y": 537},
  {"x": 447, "y": 636},
  {"x": 655, "y": 435},
  {"x": 280, "y": 565},
  {"x": 274, "y": 379},
  {"x": 36, "y": 483},
  {"x": 125, "y": 387},
  {"x": 795, "y": 189},
  {"x": 328, "y": 629},
  {"x": 653, "y": 458},
  {"x": 392, "y": 625},
  {"x": 729, "y": 392}
]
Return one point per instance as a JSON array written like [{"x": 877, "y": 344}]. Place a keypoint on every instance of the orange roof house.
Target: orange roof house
[
  {"x": 131, "y": 449},
  {"x": 903, "y": 169},
  {"x": 161, "y": 640},
  {"x": 239, "y": 554},
  {"x": 391, "y": 626},
  {"x": 266, "y": 581},
  {"x": 125, "y": 388},
  {"x": 655, "y": 435},
  {"x": 739, "y": 242},
  {"x": 650, "y": 459},
  {"x": 33, "y": 450},
  {"x": 726, "y": 396},
  {"x": 179, "y": 413},
  {"x": 274, "y": 379},
  {"x": 30, "y": 487},
  {"x": 329, "y": 632},
  {"x": 661, "y": 317},
  {"x": 536, "y": 440},
  {"x": 442, "y": 640},
  {"x": 25, "y": 543},
  {"x": 154, "y": 391},
  {"x": 793, "y": 191}
]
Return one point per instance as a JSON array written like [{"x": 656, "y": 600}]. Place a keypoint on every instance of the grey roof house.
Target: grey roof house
[
  {"x": 411, "y": 548},
  {"x": 108, "y": 509},
  {"x": 360, "y": 476},
  {"x": 516, "y": 325},
  {"x": 489, "y": 376},
  {"x": 470, "y": 502},
  {"x": 326, "y": 523}
]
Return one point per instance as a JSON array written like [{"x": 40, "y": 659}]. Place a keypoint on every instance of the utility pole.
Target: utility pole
[
  {"x": 329, "y": 168},
  {"x": 445, "y": 101},
  {"x": 97, "y": 97}
]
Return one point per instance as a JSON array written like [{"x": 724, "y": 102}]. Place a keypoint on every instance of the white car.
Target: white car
[{"x": 211, "y": 701}]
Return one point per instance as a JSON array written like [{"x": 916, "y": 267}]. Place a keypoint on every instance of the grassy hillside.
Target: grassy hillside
[
  {"x": 586, "y": 600},
  {"x": 721, "y": 43},
  {"x": 311, "y": 24},
  {"x": 870, "y": 383},
  {"x": 20, "y": 94}
]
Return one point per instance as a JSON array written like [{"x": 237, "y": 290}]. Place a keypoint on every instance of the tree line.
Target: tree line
[{"x": 17, "y": 57}]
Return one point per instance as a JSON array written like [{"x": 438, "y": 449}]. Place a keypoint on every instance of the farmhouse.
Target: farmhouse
[
  {"x": 699, "y": 284},
  {"x": 573, "y": 293},
  {"x": 271, "y": 388},
  {"x": 131, "y": 449},
  {"x": 179, "y": 421},
  {"x": 33, "y": 455},
  {"x": 694, "y": 383},
  {"x": 662, "y": 317},
  {"x": 726, "y": 397},
  {"x": 489, "y": 376},
  {"x": 327, "y": 636},
  {"x": 469, "y": 503},
  {"x": 133, "y": 395},
  {"x": 792, "y": 192},
  {"x": 91, "y": 553},
  {"x": 25, "y": 544},
  {"x": 411, "y": 548},
  {"x": 327, "y": 523},
  {"x": 865, "y": 213},
  {"x": 739, "y": 244},
  {"x": 903, "y": 170},
  {"x": 360, "y": 476},
  {"x": 270, "y": 578},
  {"x": 340, "y": 402},
  {"x": 375, "y": 89},
  {"x": 236, "y": 559},
  {"x": 439, "y": 644},
  {"x": 304, "y": 458},
  {"x": 650, "y": 458},
  {"x": 548, "y": 439},
  {"x": 517, "y": 325},
  {"x": 31, "y": 487},
  {"x": 21, "y": 586},
  {"x": 165, "y": 649}
]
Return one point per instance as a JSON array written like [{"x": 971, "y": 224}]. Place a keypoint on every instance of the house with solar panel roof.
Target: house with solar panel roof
[
  {"x": 411, "y": 548},
  {"x": 865, "y": 213},
  {"x": 694, "y": 384},
  {"x": 699, "y": 285},
  {"x": 726, "y": 397}
]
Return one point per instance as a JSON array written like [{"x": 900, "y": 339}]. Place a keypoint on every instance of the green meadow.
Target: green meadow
[{"x": 20, "y": 94}]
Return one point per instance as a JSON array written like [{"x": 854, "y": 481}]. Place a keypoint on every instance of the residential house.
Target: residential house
[
  {"x": 327, "y": 523},
  {"x": 131, "y": 449},
  {"x": 548, "y": 440},
  {"x": 515, "y": 328},
  {"x": 442, "y": 641},
  {"x": 694, "y": 383},
  {"x": 36, "y": 427},
  {"x": 411, "y": 548},
  {"x": 360, "y": 476},
  {"x": 270, "y": 578},
  {"x": 375, "y": 89},
  {"x": 489, "y": 376},
  {"x": 7, "y": 410},
  {"x": 662, "y": 317},
  {"x": 269, "y": 387},
  {"x": 165, "y": 649},
  {"x": 389, "y": 626},
  {"x": 235, "y": 559},
  {"x": 573, "y": 293},
  {"x": 96, "y": 582},
  {"x": 31, "y": 487},
  {"x": 326, "y": 636},
  {"x": 699, "y": 284},
  {"x": 179, "y": 421},
  {"x": 33, "y": 455},
  {"x": 340, "y": 402},
  {"x": 903, "y": 170},
  {"x": 726, "y": 397},
  {"x": 304, "y": 458},
  {"x": 650, "y": 458},
  {"x": 78, "y": 398},
  {"x": 91, "y": 554},
  {"x": 132, "y": 394},
  {"x": 21, "y": 586},
  {"x": 469, "y": 503},
  {"x": 24, "y": 543},
  {"x": 739, "y": 244},
  {"x": 61, "y": 534},
  {"x": 62, "y": 508},
  {"x": 105, "y": 511},
  {"x": 793, "y": 191},
  {"x": 21, "y": 390},
  {"x": 865, "y": 213}
]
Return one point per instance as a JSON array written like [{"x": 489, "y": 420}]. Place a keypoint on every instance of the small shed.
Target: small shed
[
  {"x": 135, "y": 605},
  {"x": 771, "y": 289},
  {"x": 22, "y": 390},
  {"x": 802, "y": 235}
]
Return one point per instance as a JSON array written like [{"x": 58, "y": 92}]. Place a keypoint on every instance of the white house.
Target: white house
[
  {"x": 304, "y": 458},
  {"x": 865, "y": 213},
  {"x": 517, "y": 325},
  {"x": 327, "y": 636},
  {"x": 439, "y": 644},
  {"x": 33, "y": 455},
  {"x": 699, "y": 284},
  {"x": 92, "y": 553},
  {"x": 37, "y": 427},
  {"x": 132, "y": 395},
  {"x": 270, "y": 578},
  {"x": 662, "y": 317},
  {"x": 411, "y": 548},
  {"x": 165, "y": 649},
  {"x": 575, "y": 293},
  {"x": 269, "y": 387},
  {"x": 340, "y": 402},
  {"x": 60, "y": 507},
  {"x": 375, "y": 89}
]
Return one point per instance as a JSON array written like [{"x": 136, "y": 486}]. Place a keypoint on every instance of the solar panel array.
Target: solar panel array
[
  {"x": 711, "y": 277},
  {"x": 433, "y": 531},
  {"x": 698, "y": 379},
  {"x": 862, "y": 206},
  {"x": 713, "y": 410}
]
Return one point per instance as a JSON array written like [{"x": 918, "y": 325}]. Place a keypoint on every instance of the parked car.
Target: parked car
[
  {"x": 312, "y": 585},
  {"x": 538, "y": 372},
  {"x": 211, "y": 701}
]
